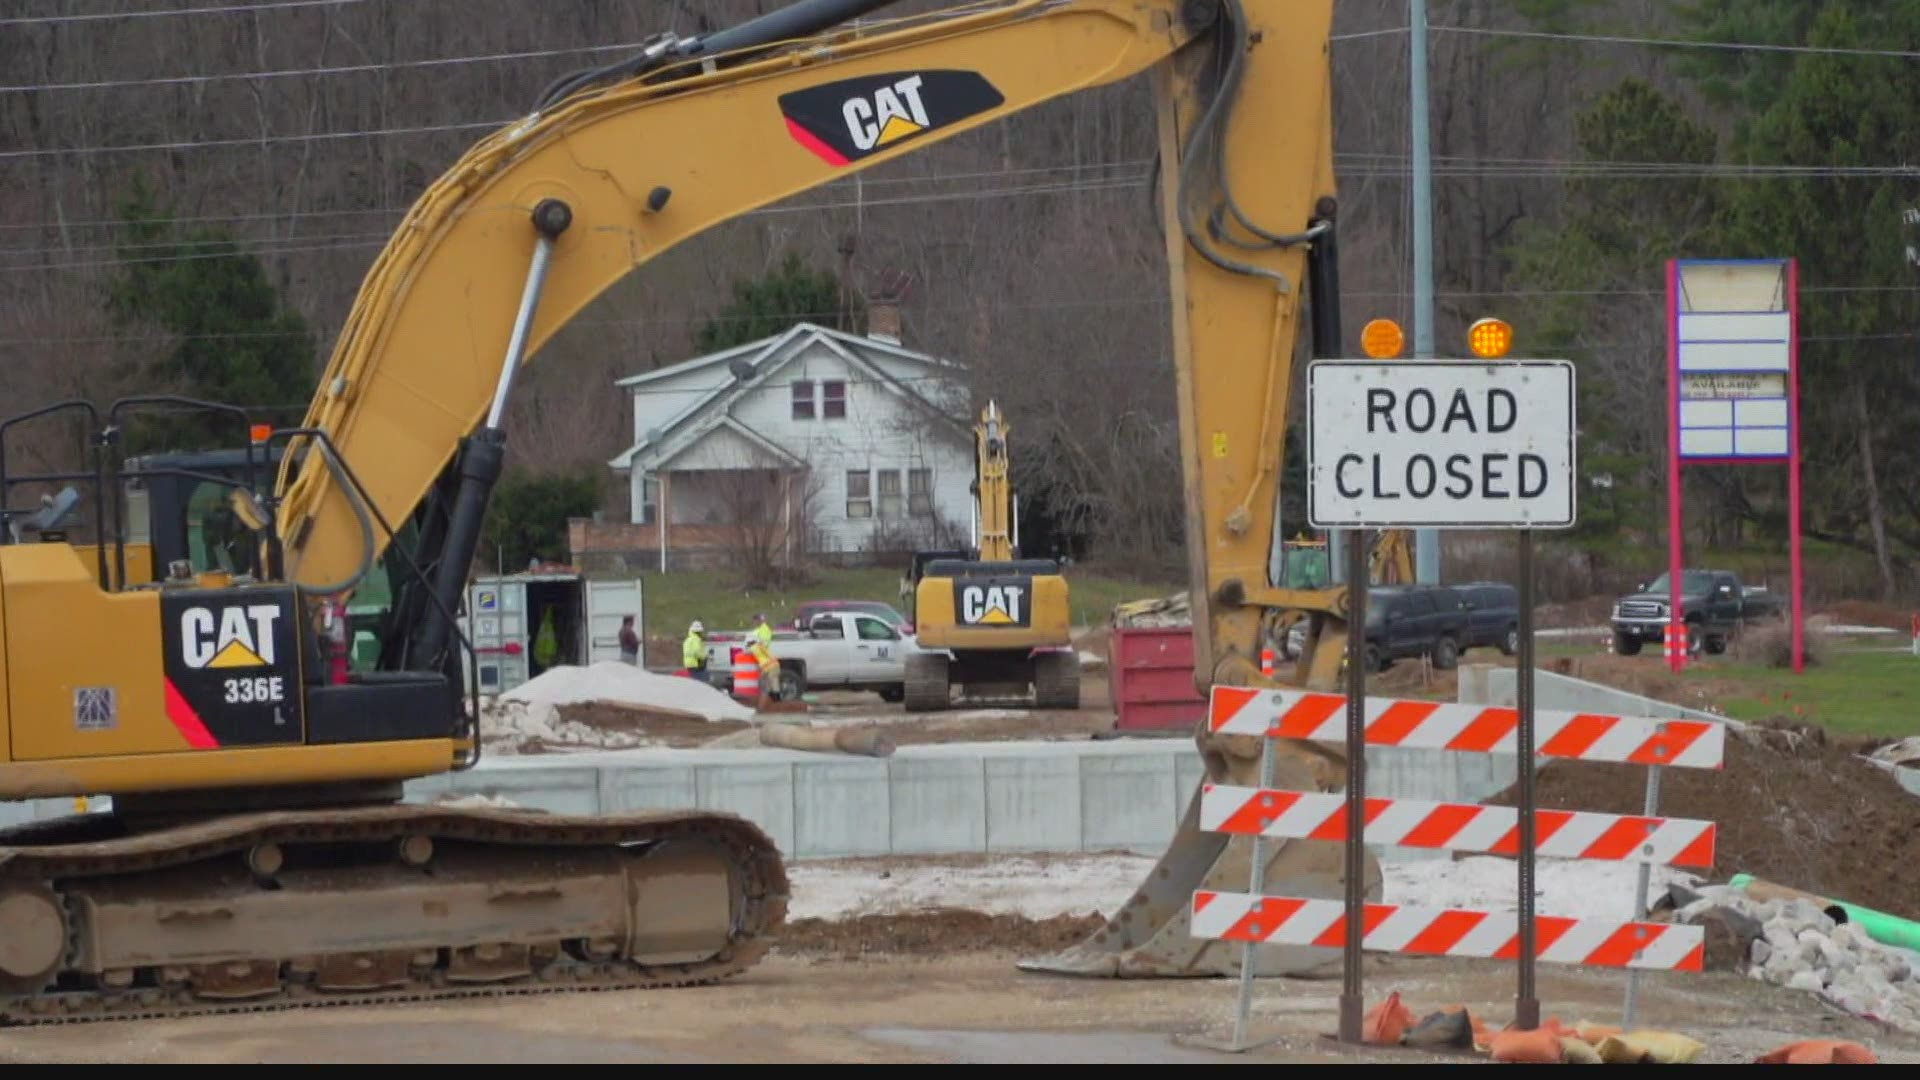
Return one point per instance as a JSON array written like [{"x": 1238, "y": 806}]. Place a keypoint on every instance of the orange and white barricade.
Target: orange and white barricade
[
  {"x": 1416, "y": 823},
  {"x": 1471, "y": 729},
  {"x": 746, "y": 674},
  {"x": 1676, "y": 644},
  {"x": 1430, "y": 931}
]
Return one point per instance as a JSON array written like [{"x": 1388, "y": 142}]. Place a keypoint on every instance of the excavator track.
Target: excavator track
[{"x": 377, "y": 904}]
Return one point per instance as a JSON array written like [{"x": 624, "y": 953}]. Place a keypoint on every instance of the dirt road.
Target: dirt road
[{"x": 970, "y": 1009}]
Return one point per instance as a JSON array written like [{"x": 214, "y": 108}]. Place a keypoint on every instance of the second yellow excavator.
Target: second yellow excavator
[
  {"x": 988, "y": 620},
  {"x": 259, "y": 853}
]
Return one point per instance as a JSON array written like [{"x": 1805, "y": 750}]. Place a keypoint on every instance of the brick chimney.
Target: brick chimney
[
  {"x": 883, "y": 321},
  {"x": 883, "y": 306}
]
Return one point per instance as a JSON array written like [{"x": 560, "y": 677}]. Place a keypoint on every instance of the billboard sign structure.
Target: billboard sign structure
[
  {"x": 1733, "y": 367},
  {"x": 1733, "y": 354}
]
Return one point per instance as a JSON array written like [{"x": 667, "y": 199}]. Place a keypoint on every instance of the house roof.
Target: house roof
[
  {"x": 763, "y": 358},
  {"x": 706, "y": 431}
]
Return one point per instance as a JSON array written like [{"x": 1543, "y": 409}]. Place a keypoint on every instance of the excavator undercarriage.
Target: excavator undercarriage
[{"x": 105, "y": 919}]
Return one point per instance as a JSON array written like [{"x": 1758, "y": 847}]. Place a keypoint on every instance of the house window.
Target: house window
[
  {"x": 920, "y": 492},
  {"x": 649, "y": 501},
  {"x": 835, "y": 405},
  {"x": 802, "y": 399},
  {"x": 859, "y": 495},
  {"x": 890, "y": 493}
]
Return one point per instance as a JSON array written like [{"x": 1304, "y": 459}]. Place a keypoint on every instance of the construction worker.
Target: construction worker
[
  {"x": 769, "y": 665},
  {"x": 693, "y": 651},
  {"x": 761, "y": 631}
]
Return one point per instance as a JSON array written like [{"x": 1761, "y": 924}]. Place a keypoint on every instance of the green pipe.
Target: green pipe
[{"x": 1878, "y": 925}]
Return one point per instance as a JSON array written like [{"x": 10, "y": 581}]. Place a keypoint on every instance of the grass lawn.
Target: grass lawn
[
  {"x": 1857, "y": 691},
  {"x": 716, "y": 599}
]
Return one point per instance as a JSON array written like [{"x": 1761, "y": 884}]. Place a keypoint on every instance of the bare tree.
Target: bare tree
[{"x": 765, "y": 511}]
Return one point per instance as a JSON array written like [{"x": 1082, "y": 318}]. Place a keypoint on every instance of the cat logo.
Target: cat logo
[
  {"x": 991, "y": 605},
  {"x": 894, "y": 113},
  {"x": 843, "y": 121},
  {"x": 239, "y": 637}
]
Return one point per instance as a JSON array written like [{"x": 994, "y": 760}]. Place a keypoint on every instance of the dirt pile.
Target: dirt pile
[
  {"x": 1793, "y": 806},
  {"x": 940, "y": 932}
]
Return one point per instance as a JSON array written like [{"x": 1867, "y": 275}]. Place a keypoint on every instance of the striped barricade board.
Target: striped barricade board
[
  {"x": 1415, "y": 823},
  {"x": 1470, "y": 729},
  {"x": 1430, "y": 931},
  {"x": 1494, "y": 830}
]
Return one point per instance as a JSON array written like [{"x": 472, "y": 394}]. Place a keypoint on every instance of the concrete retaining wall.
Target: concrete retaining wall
[
  {"x": 1121, "y": 794},
  {"x": 1125, "y": 795},
  {"x": 1483, "y": 684}
]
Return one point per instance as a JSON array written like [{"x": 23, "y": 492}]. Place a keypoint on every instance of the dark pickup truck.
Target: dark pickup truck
[{"x": 1713, "y": 603}]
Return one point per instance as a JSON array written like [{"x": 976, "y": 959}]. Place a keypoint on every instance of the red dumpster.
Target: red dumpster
[{"x": 1150, "y": 676}]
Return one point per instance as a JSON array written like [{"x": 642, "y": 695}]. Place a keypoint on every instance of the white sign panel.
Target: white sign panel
[
  {"x": 1732, "y": 330},
  {"x": 1441, "y": 444}
]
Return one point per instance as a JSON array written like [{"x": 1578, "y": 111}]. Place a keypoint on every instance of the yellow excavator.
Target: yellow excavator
[
  {"x": 1308, "y": 563},
  {"x": 988, "y": 620},
  {"x": 258, "y": 853}
]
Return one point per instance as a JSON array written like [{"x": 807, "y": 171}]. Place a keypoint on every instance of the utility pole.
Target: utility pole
[{"x": 1426, "y": 542}]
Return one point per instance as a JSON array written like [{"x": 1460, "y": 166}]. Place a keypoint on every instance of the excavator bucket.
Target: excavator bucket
[{"x": 1151, "y": 935}]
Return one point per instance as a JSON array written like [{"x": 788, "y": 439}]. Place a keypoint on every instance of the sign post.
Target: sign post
[
  {"x": 1352, "y": 1002},
  {"x": 1447, "y": 445},
  {"x": 1733, "y": 374}
]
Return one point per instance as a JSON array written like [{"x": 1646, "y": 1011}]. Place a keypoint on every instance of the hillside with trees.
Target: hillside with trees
[{"x": 189, "y": 202}]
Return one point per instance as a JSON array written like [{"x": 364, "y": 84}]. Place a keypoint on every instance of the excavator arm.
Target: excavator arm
[
  {"x": 993, "y": 477},
  {"x": 245, "y": 778},
  {"x": 619, "y": 165}
]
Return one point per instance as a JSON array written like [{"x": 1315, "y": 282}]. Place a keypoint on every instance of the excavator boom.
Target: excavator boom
[{"x": 258, "y": 855}]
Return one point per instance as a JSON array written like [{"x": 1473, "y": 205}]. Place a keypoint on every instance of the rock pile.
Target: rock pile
[{"x": 1798, "y": 945}]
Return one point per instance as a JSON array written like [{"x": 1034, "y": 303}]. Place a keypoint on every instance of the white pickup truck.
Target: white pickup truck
[{"x": 837, "y": 651}]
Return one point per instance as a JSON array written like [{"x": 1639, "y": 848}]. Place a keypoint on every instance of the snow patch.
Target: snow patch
[
  {"x": 1561, "y": 887},
  {"x": 1043, "y": 886},
  {"x": 530, "y": 712},
  {"x": 1038, "y": 887}
]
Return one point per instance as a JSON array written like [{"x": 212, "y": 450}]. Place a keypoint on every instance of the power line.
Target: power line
[
  {"x": 363, "y": 240},
  {"x": 694, "y": 320},
  {"x": 225, "y": 9},
  {"x": 290, "y": 73},
  {"x": 1679, "y": 43},
  {"x": 257, "y": 140},
  {"x": 1361, "y": 34},
  {"x": 396, "y": 211}
]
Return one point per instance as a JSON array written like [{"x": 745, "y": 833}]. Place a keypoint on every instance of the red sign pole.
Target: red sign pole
[
  {"x": 1799, "y": 612},
  {"x": 1676, "y": 656}
]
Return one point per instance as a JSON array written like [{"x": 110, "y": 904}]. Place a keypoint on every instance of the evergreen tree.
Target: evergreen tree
[
  {"x": 231, "y": 337},
  {"x": 793, "y": 293}
]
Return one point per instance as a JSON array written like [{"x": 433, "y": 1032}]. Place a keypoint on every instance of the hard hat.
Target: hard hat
[{"x": 696, "y": 628}]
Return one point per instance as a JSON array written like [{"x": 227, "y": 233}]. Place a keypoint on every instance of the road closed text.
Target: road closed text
[
  {"x": 1492, "y": 474},
  {"x": 1440, "y": 444}
]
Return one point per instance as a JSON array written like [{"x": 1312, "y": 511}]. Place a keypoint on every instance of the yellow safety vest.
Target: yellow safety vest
[{"x": 692, "y": 652}]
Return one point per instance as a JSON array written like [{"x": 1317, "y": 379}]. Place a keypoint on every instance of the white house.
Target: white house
[{"x": 836, "y": 442}]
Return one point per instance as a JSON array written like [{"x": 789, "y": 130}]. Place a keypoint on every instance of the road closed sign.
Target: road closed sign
[{"x": 1440, "y": 444}]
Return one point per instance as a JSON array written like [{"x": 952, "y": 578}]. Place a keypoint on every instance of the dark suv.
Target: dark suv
[
  {"x": 1493, "y": 615},
  {"x": 1405, "y": 621}
]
